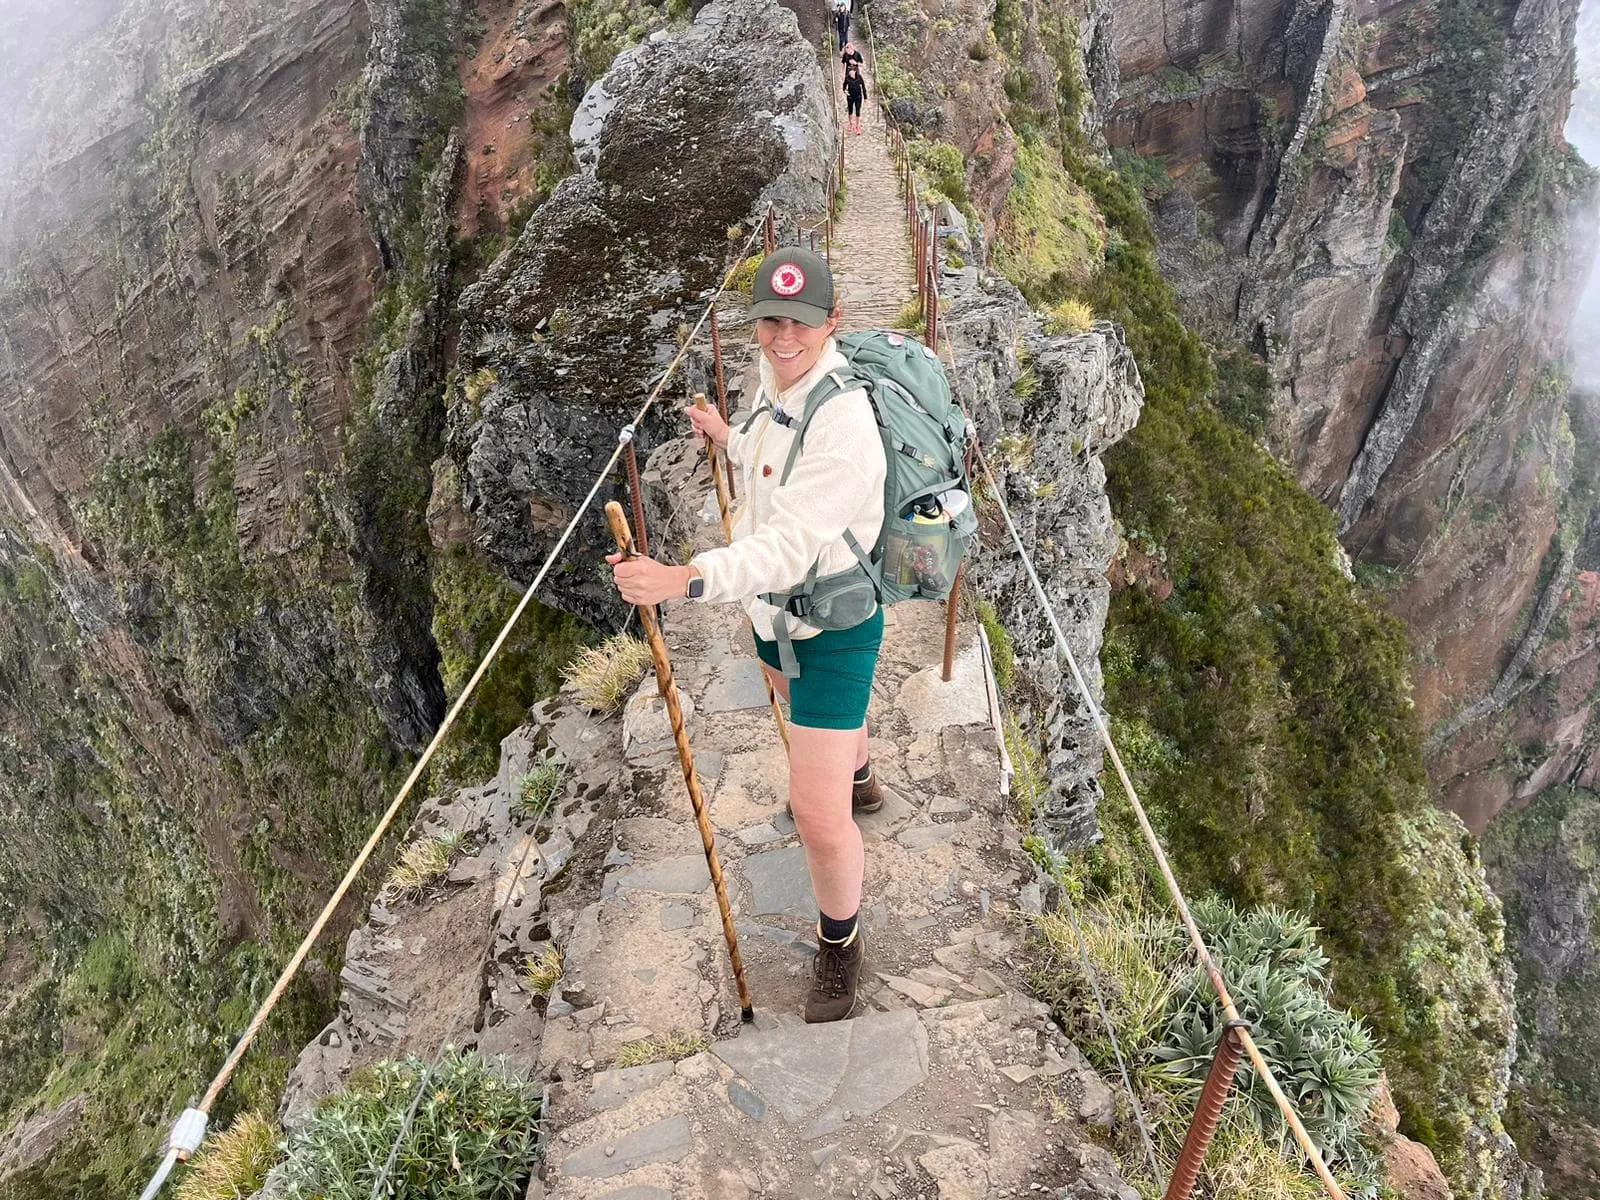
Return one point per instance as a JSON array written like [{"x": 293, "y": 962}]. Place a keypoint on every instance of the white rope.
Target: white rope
[
  {"x": 1064, "y": 649},
  {"x": 297, "y": 960}
]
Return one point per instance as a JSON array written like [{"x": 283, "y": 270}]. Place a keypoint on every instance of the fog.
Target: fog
[{"x": 1583, "y": 131}]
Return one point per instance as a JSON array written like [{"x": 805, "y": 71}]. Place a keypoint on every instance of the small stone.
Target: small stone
[
  {"x": 611, "y": 1151},
  {"x": 819, "y": 1157},
  {"x": 1018, "y": 1072},
  {"x": 1031, "y": 899}
]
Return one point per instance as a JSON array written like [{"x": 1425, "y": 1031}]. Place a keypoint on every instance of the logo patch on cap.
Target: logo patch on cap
[{"x": 788, "y": 280}]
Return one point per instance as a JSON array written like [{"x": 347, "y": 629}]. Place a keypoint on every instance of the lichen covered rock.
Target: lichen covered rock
[{"x": 686, "y": 137}]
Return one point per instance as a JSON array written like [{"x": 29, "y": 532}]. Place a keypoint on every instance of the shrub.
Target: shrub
[
  {"x": 473, "y": 1136},
  {"x": 234, "y": 1163},
  {"x": 1168, "y": 1020},
  {"x": 943, "y": 170},
  {"x": 603, "y": 675},
  {"x": 744, "y": 275},
  {"x": 538, "y": 789},
  {"x": 1050, "y": 238},
  {"x": 421, "y": 865},
  {"x": 1069, "y": 317}
]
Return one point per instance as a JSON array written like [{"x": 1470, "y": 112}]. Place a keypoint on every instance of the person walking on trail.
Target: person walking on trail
[
  {"x": 789, "y": 526},
  {"x": 841, "y": 19},
  {"x": 850, "y": 55},
  {"x": 855, "y": 91}
]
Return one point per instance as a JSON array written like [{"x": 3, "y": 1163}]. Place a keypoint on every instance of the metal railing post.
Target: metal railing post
[
  {"x": 769, "y": 237},
  {"x": 1208, "y": 1112},
  {"x": 721, "y": 376},
  {"x": 632, "y": 459}
]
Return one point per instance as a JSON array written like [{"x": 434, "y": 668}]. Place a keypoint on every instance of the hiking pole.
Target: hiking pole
[
  {"x": 669, "y": 693},
  {"x": 727, "y": 532}
]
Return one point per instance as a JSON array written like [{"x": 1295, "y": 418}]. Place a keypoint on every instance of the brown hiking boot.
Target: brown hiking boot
[
  {"x": 837, "y": 970},
  {"x": 866, "y": 796}
]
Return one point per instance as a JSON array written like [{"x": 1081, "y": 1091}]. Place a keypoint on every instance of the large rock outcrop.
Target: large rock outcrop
[{"x": 686, "y": 137}]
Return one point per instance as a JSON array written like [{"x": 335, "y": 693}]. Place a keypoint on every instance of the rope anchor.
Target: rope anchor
[{"x": 691, "y": 779}]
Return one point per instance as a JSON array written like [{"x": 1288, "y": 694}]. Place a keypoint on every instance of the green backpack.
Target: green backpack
[{"x": 928, "y": 516}]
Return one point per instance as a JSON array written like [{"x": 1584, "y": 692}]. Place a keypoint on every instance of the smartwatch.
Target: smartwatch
[{"x": 696, "y": 588}]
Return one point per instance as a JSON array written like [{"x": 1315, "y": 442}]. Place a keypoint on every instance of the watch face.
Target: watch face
[{"x": 697, "y": 588}]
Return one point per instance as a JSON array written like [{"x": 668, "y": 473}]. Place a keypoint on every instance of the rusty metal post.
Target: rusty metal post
[
  {"x": 933, "y": 237},
  {"x": 722, "y": 384},
  {"x": 769, "y": 232},
  {"x": 813, "y": 241},
  {"x": 626, "y": 438},
  {"x": 952, "y": 606},
  {"x": 1219, "y": 1082}
]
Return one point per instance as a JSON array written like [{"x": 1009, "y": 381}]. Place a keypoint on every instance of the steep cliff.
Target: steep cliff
[
  {"x": 226, "y": 264},
  {"x": 1378, "y": 200}
]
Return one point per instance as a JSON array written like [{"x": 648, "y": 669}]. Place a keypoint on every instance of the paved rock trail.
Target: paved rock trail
[{"x": 872, "y": 247}]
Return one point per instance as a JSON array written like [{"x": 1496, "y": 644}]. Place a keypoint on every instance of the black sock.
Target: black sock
[
  {"x": 863, "y": 772},
  {"x": 836, "y": 931}
]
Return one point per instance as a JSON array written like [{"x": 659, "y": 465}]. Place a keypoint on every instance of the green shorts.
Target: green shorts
[{"x": 836, "y": 670}]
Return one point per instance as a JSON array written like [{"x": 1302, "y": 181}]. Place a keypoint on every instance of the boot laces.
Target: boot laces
[{"x": 832, "y": 962}]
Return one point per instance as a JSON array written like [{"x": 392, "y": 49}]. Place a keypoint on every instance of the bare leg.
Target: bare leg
[{"x": 820, "y": 765}]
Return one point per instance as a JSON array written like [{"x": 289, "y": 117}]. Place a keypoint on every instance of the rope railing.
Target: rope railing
[{"x": 924, "y": 231}]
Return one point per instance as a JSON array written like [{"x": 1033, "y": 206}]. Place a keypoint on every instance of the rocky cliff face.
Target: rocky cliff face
[{"x": 1378, "y": 200}]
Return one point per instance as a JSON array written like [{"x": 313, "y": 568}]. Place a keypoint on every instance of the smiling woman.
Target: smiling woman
[{"x": 804, "y": 514}]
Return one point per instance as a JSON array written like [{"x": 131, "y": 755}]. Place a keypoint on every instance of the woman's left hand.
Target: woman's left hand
[{"x": 645, "y": 581}]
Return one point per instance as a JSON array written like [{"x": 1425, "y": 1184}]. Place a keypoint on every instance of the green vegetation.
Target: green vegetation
[
  {"x": 1050, "y": 237},
  {"x": 603, "y": 676},
  {"x": 538, "y": 789},
  {"x": 234, "y": 1162},
  {"x": 1545, "y": 862},
  {"x": 471, "y": 603},
  {"x": 598, "y": 29},
  {"x": 941, "y": 174},
  {"x": 1264, "y": 703},
  {"x": 1069, "y": 317},
  {"x": 1168, "y": 1020},
  {"x": 474, "y": 1136}
]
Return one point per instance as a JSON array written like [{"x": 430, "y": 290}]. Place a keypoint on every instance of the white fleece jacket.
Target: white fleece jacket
[{"x": 836, "y": 484}]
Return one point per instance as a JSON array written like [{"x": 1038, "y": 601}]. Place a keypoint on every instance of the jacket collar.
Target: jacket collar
[{"x": 793, "y": 398}]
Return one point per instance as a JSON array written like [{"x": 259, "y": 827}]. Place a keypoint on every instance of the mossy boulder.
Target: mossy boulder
[{"x": 686, "y": 135}]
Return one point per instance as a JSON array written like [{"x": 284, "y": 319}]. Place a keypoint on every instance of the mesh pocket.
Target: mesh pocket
[{"x": 920, "y": 558}]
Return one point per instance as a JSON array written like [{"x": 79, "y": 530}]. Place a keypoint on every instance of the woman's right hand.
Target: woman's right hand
[{"x": 708, "y": 422}]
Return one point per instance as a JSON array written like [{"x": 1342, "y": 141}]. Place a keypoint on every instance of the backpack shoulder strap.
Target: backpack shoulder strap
[{"x": 830, "y": 385}]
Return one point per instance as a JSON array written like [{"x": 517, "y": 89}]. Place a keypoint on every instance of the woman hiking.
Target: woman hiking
[
  {"x": 855, "y": 91},
  {"x": 833, "y": 494}
]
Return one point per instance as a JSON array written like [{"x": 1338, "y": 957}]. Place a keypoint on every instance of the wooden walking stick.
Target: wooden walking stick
[
  {"x": 727, "y": 533},
  {"x": 669, "y": 693}
]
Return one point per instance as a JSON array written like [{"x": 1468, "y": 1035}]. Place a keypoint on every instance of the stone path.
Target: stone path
[{"x": 872, "y": 247}]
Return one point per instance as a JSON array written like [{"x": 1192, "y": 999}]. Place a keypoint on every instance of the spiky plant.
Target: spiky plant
[
  {"x": 541, "y": 972},
  {"x": 668, "y": 1047},
  {"x": 474, "y": 1135},
  {"x": 538, "y": 789},
  {"x": 421, "y": 865},
  {"x": 234, "y": 1163},
  {"x": 603, "y": 675}
]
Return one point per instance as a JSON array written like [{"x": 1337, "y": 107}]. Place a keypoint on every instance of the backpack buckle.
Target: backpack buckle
[{"x": 798, "y": 606}]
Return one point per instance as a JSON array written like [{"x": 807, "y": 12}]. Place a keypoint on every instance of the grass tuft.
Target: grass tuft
[
  {"x": 1069, "y": 317},
  {"x": 669, "y": 1047},
  {"x": 234, "y": 1163},
  {"x": 422, "y": 864},
  {"x": 541, "y": 972},
  {"x": 538, "y": 790},
  {"x": 603, "y": 675}
]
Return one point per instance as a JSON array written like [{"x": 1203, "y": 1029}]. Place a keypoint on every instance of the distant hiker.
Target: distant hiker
[
  {"x": 841, "y": 19},
  {"x": 855, "y": 91},
  {"x": 850, "y": 55},
  {"x": 802, "y": 515}
]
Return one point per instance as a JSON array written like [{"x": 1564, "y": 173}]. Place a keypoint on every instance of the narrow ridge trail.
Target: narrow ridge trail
[
  {"x": 871, "y": 244},
  {"x": 950, "y": 1081}
]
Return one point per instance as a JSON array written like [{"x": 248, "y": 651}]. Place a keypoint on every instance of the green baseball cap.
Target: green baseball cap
[{"x": 791, "y": 282}]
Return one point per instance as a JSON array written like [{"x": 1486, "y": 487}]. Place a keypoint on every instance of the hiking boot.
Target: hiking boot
[
  {"x": 866, "y": 795},
  {"x": 836, "y": 971}
]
